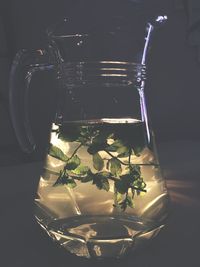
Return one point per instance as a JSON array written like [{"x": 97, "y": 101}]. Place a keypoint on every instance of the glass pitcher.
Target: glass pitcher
[{"x": 101, "y": 193}]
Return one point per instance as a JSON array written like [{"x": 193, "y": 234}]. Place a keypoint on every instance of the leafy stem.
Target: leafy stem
[
  {"x": 131, "y": 186},
  {"x": 129, "y": 161},
  {"x": 110, "y": 154},
  {"x": 74, "y": 153},
  {"x": 127, "y": 180}
]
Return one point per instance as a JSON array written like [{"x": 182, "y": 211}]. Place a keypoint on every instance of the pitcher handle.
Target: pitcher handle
[{"x": 25, "y": 65}]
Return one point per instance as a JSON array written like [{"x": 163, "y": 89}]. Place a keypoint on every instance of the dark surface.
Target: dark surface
[{"x": 24, "y": 244}]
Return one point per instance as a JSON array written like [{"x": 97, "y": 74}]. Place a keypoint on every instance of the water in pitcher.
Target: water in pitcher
[{"x": 101, "y": 192}]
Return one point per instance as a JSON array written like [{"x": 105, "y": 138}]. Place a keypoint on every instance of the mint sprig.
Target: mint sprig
[{"x": 120, "y": 151}]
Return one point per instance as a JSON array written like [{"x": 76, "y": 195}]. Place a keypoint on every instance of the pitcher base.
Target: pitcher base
[{"x": 102, "y": 236}]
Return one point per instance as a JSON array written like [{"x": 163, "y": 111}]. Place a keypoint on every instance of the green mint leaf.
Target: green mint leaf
[
  {"x": 71, "y": 183},
  {"x": 99, "y": 142},
  {"x": 101, "y": 136},
  {"x": 62, "y": 178},
  {"x": 139, "y": 184},
  {"x": 98, "y": 162},
  {"x": 115, "y": 167},
  {"x": 96, "y": 147},
  {"x": 123, "y": 155},
  {"x": 89, "y": 177},
  {"x": 133, "y": 193},
  {"x": 56, "y": 152},
  {"x": 126, "y": 202},
  {"x": 135, "y": 172},
  {"x": 121, "y": 186},
  {"x": 73, "y": 163},
  {"x": 123, "y": 205},
  {"x": 115, "y": 146},
  {"x": 123, "y": 152},
  {"x": 105, "y": 174},
  {"x": 119, "y": 197},
  {"x": 129, "y": 202},
  {"x": 106, "y": 185},
  {"x": 137, "y": 139},
  {"x": 101, "y": 181},
  {"x": 127, "y": 179},
  {"x": 135, "y": 168},
  {"x": 81, "y": 170},
  {"x": 87, "y": 131}
]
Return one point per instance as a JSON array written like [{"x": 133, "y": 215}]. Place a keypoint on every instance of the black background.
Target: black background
[{"x": 173, "y": 101}]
